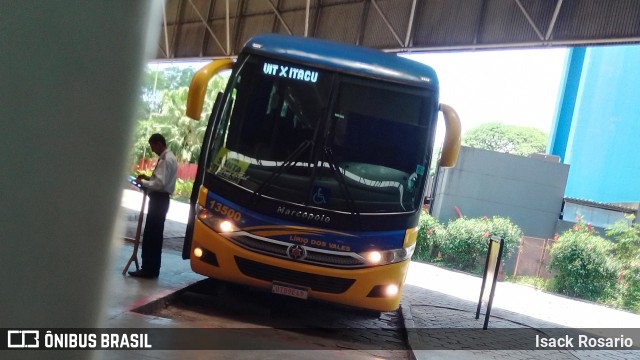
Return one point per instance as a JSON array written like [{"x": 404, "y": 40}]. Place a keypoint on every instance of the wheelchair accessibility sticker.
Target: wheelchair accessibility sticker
[{"x": 321, "y": 195}]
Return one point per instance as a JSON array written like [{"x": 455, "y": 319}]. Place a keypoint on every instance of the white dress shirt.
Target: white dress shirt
[{"x": 164, "y": 175}]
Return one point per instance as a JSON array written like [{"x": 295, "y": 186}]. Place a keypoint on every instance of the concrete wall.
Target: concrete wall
[{"x": 529, "y": 191}]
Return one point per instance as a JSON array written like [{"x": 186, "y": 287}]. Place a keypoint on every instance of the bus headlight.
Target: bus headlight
[
  {"x": 226, "y": 226},
  {"x": 383, "y": 257},
  {"x": 214, "y": 222}
]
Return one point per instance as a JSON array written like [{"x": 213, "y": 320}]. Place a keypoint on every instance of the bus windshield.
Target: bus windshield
[{"x": 325, "y": 139}]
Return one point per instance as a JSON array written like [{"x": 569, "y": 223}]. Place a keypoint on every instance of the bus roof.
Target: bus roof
[{"x": 343, "y": 57}]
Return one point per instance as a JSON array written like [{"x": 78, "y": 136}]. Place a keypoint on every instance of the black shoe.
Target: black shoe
[{"x": 142, "y": 274}]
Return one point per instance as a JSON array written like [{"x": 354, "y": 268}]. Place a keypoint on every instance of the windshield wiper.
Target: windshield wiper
[
  {"x": 291, "y": 160},
  {"x": 351, "y": 204}
]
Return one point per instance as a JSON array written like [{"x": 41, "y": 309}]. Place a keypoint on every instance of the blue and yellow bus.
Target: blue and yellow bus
[{"x": 313, "y": 169}]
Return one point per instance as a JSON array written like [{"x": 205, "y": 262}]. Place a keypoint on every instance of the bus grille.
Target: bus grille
[
  {"x": 322, "y": 283},
  {"x": 273, "y": 248},
  {"x": 279, "y": 249}
]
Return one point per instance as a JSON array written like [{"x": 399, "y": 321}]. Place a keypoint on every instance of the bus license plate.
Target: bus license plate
[{"x": 289, "y": 290}]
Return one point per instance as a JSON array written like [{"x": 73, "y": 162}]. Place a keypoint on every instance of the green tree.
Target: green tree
[
  {"x": 512, "y": 139},
  {"x": 184, "y": 135},
  {"x": 176, "y": 77},
  {"x": 155, "y": 82},
  {"x": 162, "y": 109}
]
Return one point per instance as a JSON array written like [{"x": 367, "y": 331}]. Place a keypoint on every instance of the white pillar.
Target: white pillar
[{"x": 69, "y": 79}]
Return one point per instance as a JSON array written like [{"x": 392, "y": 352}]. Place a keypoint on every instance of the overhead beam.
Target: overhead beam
[
  {"x": 316, "y": 17},
  {"x": 174, "y": 40},
  {"x": 162, "y": 51},
  {"x": 481, "y": 16},
  {"x": 240, "y": 9},
  {"x": 166, "y": 32},
  {"x": 306, "y": 18},
  {"x": 554, "y": 18},
  {"x": 205, "y": 41},
  {"x": 412, "y": 15},
  {"x": 363, "y": 21},
  {"x": 386, "y": 21},
  {"x": 517, "y": 45},
  {"x": 208, "y": 28},
  {"x": 275, "y": 10},
  {"x": 227, "y": 19},
  {"x": 529, "y": 19}
]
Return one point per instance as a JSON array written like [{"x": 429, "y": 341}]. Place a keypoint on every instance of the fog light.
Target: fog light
[
  {"x": 205, "y": 255},
  {"x": 384, "y": 291},
  {"x": 391, "y": 290}
]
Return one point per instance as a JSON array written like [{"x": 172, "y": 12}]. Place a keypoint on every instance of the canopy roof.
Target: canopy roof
[{"x": 220, "y": 28}]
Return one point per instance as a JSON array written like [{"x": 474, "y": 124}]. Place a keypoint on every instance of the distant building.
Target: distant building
[
  {"x": 597, "y": 214},
  {"x": 528, "y": 190},
  {"x": 597, "y": 124}
]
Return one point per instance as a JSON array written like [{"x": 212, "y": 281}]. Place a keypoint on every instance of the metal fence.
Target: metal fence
[{"x": 533, "y": 257}]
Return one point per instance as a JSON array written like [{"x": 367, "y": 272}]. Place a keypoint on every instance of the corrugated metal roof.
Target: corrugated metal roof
[
  {"x": 607, "y": 206},
  {"x": 219, "y": 28}
]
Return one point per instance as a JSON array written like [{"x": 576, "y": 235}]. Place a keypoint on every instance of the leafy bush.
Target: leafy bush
[
  {"x": 463, "y": 242},
  {"x": 627, "y": 239},
  {"x": 183, "y": 190},
  {"x": 582, "y": 265},
  {"x": 511, "y": 233},
  {"x": 466, "y": 239},
  {"x": 629, "y": 286},
  {"x": 430, "y": 235},
  {"x": 627, "y": 253}
]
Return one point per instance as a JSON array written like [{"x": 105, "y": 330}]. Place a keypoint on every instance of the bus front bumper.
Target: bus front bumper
[{"x": 366, "y": 287}]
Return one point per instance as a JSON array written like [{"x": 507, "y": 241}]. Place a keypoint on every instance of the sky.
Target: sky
[{"x": 515, "y": 87}]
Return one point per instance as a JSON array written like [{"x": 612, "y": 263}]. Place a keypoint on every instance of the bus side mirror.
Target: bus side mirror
[
  {"x": 452, "y": 140},
  {"x": 199, "y": 83}
]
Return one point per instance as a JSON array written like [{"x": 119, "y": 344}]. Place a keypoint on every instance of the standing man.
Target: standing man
[{"x": 159, "y": 187}]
